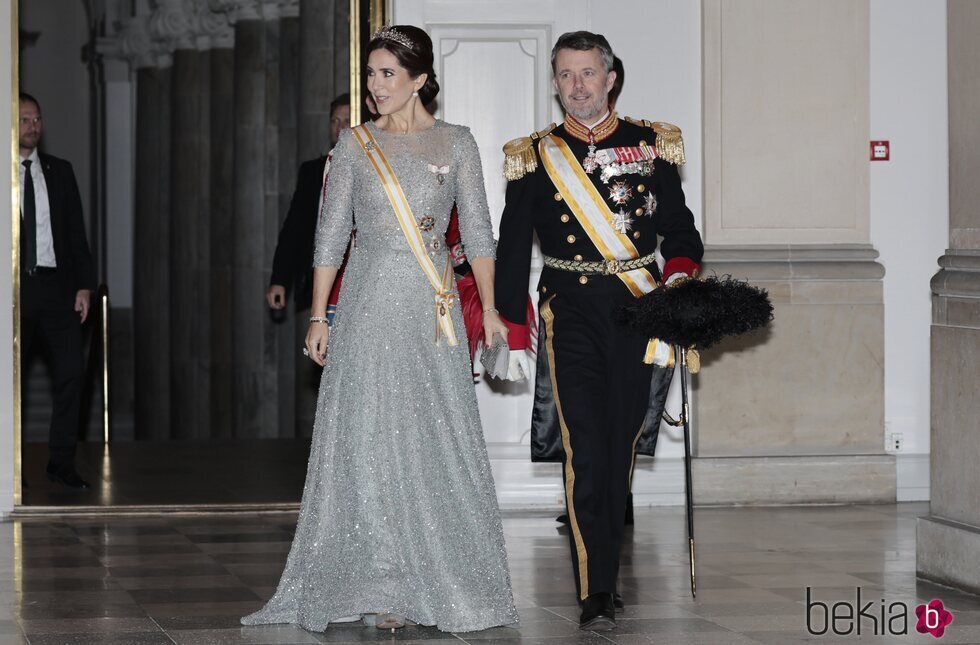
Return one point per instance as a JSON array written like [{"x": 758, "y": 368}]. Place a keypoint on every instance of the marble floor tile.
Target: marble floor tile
[
  {"x": 132, "y": 638},
  {"x": 268, "y": 635},
  {"x": 355, "y": 633},
  {"x": 581, "y": 638},
  {"x": 195, "y": 595},
  {"x": 702, "y": 638},
  {"x": 80, "y": 610},
  {"x": 179, "y": 582},
  {"x": 713, "y": 611},
  {"x": 666, "y": 626},
  {"x": 104, "y": 625},
  {"x": 188, "y": 579},
  {"x": 235, "y": 609}
]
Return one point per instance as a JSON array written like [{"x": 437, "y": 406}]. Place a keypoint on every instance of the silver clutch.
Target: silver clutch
[{"x": 496, "y": 358}]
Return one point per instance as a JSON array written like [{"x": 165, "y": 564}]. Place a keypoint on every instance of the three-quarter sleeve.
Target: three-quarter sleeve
[
  {"x": 336, "y": 218},
  {"x": 475, "y": 227}
]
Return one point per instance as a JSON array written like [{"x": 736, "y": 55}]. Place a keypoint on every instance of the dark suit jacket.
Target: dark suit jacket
[
  {"x": 76, "y": 269},
  {"x": 292, "y": 265}
]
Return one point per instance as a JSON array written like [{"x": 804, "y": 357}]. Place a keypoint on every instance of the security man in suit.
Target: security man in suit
[
  {"x": 292, "y": 263},
  {"x": 598, "y": 191},
  {"x": 57, "y": 279}
]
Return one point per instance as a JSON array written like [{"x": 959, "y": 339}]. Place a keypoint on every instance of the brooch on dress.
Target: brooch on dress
[
  {"x": 439, "y": 171},
  {"x": 427, "y": 223},
  {"x": 435, "y": 245}
]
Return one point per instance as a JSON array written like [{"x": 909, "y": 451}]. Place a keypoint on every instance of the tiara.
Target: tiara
[{"x": 390, "y": 33}]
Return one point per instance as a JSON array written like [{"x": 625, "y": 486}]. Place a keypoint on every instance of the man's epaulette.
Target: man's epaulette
[
  {"x": 519, "y": 155},
  {"x": 669, "y": 143}
]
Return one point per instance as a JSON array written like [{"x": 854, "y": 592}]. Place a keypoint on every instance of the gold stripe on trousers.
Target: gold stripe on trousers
[
  {"x": 583, "y": 557},
  {"x": 633, "y": 460}
]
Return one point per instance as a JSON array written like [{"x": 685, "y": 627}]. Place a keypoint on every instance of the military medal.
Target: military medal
[
  {"x": 650, "y": 204},
  {"x": 622, "y": 222},
  {"x": 590, "y": 135},
  {"x": 427, "y": 223},
  {"x": 620, "y": 193},
  {"x": 625, "y": 160},
  {"x": 590, "y": 163}
]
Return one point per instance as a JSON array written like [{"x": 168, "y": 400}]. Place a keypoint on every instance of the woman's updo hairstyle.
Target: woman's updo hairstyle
[{"x": 413, "y": 49}]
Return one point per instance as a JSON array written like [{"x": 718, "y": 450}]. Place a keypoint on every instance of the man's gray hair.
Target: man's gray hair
[{"x": 583, "y": 41}]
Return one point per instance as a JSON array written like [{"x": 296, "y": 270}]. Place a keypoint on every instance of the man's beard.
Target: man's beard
[{"x": 587, "y": 114}]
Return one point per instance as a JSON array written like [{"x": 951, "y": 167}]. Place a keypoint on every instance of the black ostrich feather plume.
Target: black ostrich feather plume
[{"x": 699, "y": 313}]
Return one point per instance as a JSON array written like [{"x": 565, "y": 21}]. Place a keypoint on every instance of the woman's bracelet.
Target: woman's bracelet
[
  {"x": 318, "y": 319},
  {"x": 493, "y": 309}
]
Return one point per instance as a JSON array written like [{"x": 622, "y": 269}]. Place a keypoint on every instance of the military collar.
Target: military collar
[{"x": 596, "y": 133}]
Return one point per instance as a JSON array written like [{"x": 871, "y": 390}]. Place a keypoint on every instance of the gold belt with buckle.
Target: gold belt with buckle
[{"x": 601, "y": 267}]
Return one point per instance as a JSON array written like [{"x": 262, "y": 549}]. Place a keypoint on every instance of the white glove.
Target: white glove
[
  {"x": 674, "y": 277},
  {"x": 517, "y": 369}
]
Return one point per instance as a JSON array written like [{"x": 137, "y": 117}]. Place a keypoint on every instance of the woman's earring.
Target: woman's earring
[{"x": 415, "y": 93}]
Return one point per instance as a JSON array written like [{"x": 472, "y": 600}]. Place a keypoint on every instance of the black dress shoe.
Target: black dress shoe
[
  {"x": 598, "y": 613},
  {"x": 68, "y": 477},
  {"x": 618, "y": 601}
]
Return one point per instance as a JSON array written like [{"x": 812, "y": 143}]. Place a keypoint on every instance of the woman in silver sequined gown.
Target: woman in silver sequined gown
[{"x": 399, "y": 511}]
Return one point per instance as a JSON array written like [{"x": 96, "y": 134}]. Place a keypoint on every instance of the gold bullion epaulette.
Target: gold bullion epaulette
[
  {"x": 669, "y": 143},
  {"x": 519, "y": 155}
]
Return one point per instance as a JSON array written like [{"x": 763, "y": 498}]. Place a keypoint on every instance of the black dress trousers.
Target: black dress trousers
[
  {"x": 600, "y": 388},
  {"x": 47, "y": 314}
]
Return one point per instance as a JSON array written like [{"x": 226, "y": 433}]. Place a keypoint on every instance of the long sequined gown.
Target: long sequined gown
[{"x": 399, "y": 511}]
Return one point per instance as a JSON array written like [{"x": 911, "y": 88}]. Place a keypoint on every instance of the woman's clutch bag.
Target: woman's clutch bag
[{"x": 496, "y": 358}]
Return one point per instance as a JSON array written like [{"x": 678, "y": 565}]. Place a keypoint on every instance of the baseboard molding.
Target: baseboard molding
[
  {"x": 948, "y": 553},
  {"x": 912, "y": 476},
  {"x": 525, "y": 485},
  {"x": 831, "y": 479}
]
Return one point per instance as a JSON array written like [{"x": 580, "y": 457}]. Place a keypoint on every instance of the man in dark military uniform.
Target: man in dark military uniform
[{"x": 598, "y": 191}]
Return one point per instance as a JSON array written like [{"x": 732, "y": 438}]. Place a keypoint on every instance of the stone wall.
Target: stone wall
[{"x": 948, "y": 540}]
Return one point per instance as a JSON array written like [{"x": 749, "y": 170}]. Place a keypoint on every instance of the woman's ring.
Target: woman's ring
[{"x": 306, "y": 352}]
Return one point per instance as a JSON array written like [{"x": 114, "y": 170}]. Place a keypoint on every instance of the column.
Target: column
[
  {"x": 287, "y": 337},
  {"x": 324, "y": 70},
  {"x": 190, "y": 245},
  {"x": 151, "y": 238},
  {"x": 222, "y": 126},
  {"x": 948, "y": 540},
  {"x": 117, "y": 154},
  {"x": 255, "y": 394},
  {"x": 324, "y": 73},
  {"x": 796, "y": 413},
  {"x": 189, "y": 28}
]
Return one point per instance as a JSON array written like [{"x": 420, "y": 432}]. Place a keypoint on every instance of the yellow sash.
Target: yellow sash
[
  {"x": 443, "y": 286},
  {"x": 593, "y": 214},
  {"x": 591, "y": 211}
]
